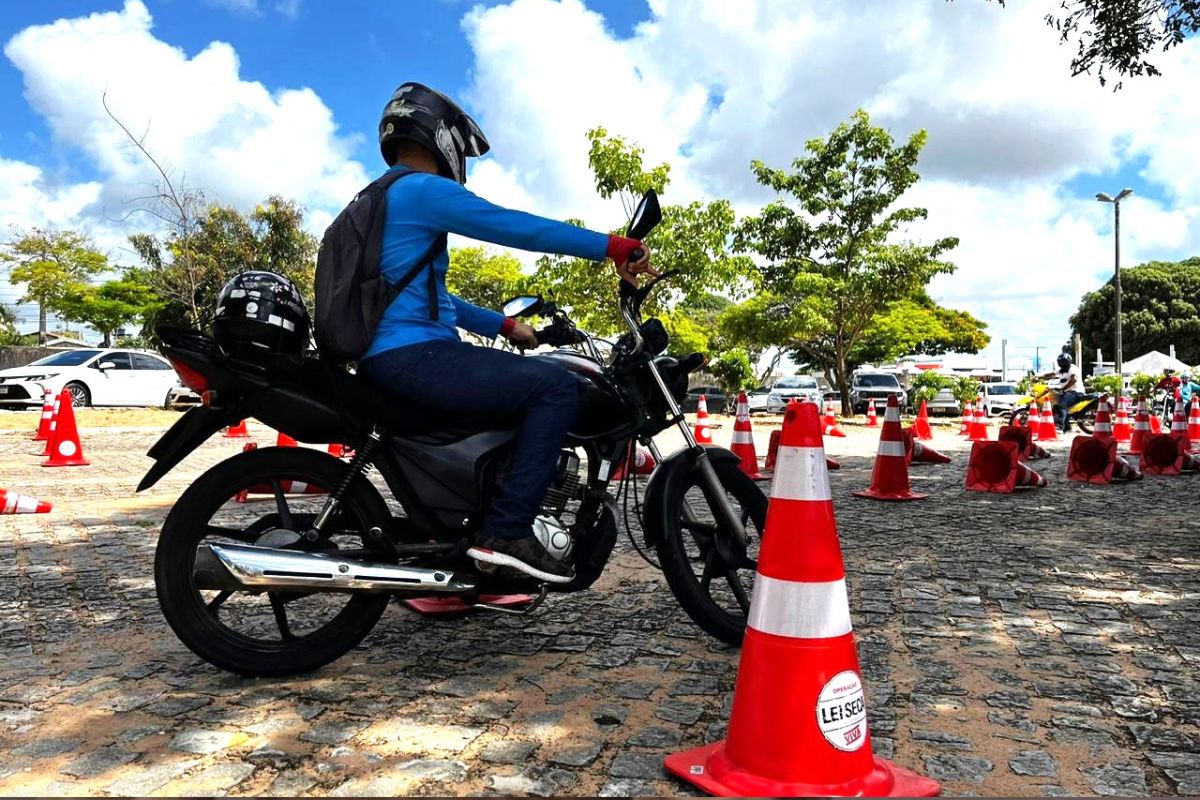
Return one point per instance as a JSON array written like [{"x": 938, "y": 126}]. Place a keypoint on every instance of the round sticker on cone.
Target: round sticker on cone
[{"x": 842, "y": 712}]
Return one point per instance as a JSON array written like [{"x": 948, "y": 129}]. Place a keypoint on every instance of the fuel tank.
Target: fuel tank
[{"x": 603, "y": 411}]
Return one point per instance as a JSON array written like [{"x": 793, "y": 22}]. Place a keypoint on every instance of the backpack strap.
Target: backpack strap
[{"x": 436, "y": 248}]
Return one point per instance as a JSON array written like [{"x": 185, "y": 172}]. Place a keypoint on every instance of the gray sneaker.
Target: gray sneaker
[{"x": 526, "y": 555}]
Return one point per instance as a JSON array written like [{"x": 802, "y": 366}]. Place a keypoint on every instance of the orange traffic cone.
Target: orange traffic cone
[
  {"x": 43, "y": 431},
  {"x": 921, "y": 425},
  {"x": 743, "y": 439},
  {"x": 830, "y": 423},
  {"x": 889, "y": 478},
  {"x": 1047, "y": 430},
  {"x": 15, "y": 503},
  {"x": 643, "y": 462},
  {"x": 773, "y": 450},
  {"x": 283, "y": 440},
  {"x": 702, "y": 431},
  {"x": 1194, "y": 421},
  {"x": 799, "y": 720},
  {"x": 65, "y": 448},
  {"x": 1155, "y": 424},
  {"x": 1095, "y": 461},
  {"x": 238, "y": 431},
  {"x": 1179, "y": 428},
  {"x": 1026, "y": 447},
  {"x": 1103, "y": 429},
  {"x": 337, "y": 450},
  {"x": 1034, "y": 422},
  {"x": 1122, "y": 431},
  {"x": 915, "y": 452},
  {"x": 1141, "y": 429},
  {"x": 996, "y": 467},
  {"x": 979, "y": 426},
  {"x": 53, "y": 424},
  {"x": 872, "y": 418},
  {"x": 968, "y": 420},
  {"x": 1165, "y": 454},
  {"x": 831, "y": 465}
]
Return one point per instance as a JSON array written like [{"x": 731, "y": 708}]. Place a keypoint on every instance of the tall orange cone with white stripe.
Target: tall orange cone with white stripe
[
  {"x": 889, "y": 478},
  {"x": 53, "y": 424},
  {"x": 1141, "y": 429},
  {"x": 1179, "y": 428},
  {"x": 43, "y": 431},
  {"x": 1048, "y": 429},
  {"x": 979, "y": 426},
  {"x": 702, "y": 432},
  {"x": 799, "y": 721},
  {"x": 872, "y": 418},
  {"x": 1122, "y": 430},
  {"x": 1194, "y": 421},
  {"x": 16, "y": 503},
  {"x": 1103, "y": 428},
  {"x": 1034, "y": 422},
  {"x": 743, "y": 439},
  {"x": 1155, "y": 424},
  {"x": 968, "y": 419},
  {"x": 830, "y": 422},
  {"x": 65, "y": 448}
]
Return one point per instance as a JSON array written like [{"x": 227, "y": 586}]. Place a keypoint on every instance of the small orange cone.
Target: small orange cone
[
  {"x": 1034, "y": 422},
  {"x": 1155, "y": 424},
  {"x": 1179, "y": 428},
  {"x": 1141, "y": 429},
  {"x": 65, "y": 448},
  {"x": 799, "y": 721},
  {"x": 968, "y": 420},
  {"x": 1048, "y": 429},
  {"x": 643, "y": 462},
  {"x": 238, "y": 431},
  {"x": 743, "y": 439},
  {"x": 1194, "y": 421},
  {"x": 15, "y": 503},
  {"x": 872, "y": 418},
  {"x": 996, "y": 467},
  {"x": 921, "y": 425},
  {"x": 1026, "y": 447},
  {"x": 283, "y": 440},
  {"x": 1122, "y": 431},
  {"x": 337, "y": 450},
  {"x": 53, "y": 425},
  {"x": 830, "y": 423},
  {"x": 43, "y": 431},
  {"x": 702, "y": 432},
  {"x": 1164, "y": 454},
  {"x": 917, "y": 453},
  {"x": 1094, "y": 461},
  {"x": 1103, "y": 429},
  {"x": 889, "y": 478},
  {"x": 979, "y": 426}
]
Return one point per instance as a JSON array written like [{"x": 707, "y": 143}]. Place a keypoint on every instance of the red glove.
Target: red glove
[
  {"x": 619, "y": 248},
  {"x": 506, "y": 327}
]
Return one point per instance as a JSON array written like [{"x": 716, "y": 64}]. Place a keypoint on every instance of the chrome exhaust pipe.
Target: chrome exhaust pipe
[{"x": 242, "y": 567}]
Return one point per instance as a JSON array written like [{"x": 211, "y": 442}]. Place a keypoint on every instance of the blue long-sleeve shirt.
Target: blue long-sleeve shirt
[{"x": 422, "y": 206}]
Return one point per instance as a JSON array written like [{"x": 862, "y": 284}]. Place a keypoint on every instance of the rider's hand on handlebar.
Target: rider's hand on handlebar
[
  {"x": 620, "y": 249},
  {"x": 522, "y": 335}
]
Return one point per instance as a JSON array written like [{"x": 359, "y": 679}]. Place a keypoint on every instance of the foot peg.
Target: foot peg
[{"x": 529, "y": 609}]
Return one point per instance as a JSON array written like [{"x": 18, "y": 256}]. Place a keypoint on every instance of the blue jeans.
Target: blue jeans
[
  {"x": 477, "y": 381},
  {"x": 1065, "y": 401}
]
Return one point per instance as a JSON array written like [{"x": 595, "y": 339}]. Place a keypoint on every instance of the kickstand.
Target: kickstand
[{"x": 529, "y": 609}]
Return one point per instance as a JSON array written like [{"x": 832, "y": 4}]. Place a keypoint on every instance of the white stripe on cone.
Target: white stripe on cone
[
  {"x": 801, "y": 474},
  {"x": 743, "y": 437},
  {"x": 803, "y": 610},
  {"x": 891, "y": 449},
  {"x": 891, "y": 414}
]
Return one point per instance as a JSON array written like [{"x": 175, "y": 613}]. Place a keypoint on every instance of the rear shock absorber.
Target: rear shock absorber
[{"x": 362, "y": 456}]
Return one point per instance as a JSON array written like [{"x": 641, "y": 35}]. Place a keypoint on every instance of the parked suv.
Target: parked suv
[{"x": 865, "y": 386}]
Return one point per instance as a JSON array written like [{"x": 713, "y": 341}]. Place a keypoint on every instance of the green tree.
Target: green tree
[
  {"x": 965, "y": 389},
  {"x": 112, "y": 304},
  {"x": 8, "y": 326},
  {"x": 1143, "y": 385},
  {"x": 51, "y": 264},
  {"x": 1106, "y": 384},
  {"x": 1160, "y": 306},
  {"x": 836, "y": 258},
  {"x": 733, "y": 372},
  {"x": 485, "y": 277},
  {"x": 927, "y": 384},
  {"x": 919, "y": 326}
]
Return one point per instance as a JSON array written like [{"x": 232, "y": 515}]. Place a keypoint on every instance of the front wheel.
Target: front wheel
[
  {"x": 1019, "y": 416},
  {"x": 709, "y": 575},
  {"x": 80, "y": 396}
]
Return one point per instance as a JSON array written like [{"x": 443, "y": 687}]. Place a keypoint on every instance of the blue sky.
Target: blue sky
[{"x": 262, "y": 100}]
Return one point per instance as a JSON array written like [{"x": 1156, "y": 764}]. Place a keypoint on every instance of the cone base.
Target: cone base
[
  {"x": 432, "y": 606},
  {"x": 909, "y": 495},
  {"x": 72, "y": 463},
  {"x": 710, "y": 769}
]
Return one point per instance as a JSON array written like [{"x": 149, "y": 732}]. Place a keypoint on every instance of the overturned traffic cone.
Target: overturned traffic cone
[
  {"x": 53, "y": 424},
  {"x": 1103, "y": 428},
  {"x": 283, "y": 440},
  {"x": 996, "y": 467},
  {"x": 65, "y": 448},
  {"x": 1122, "y": 430},
  {"x": 915, "y": 452},
  {"x": 702, "y": 432},
  {"x": 1141, "y": 429},
  {"x": 743, "y": 439},
  {"x": 1179, "y": 428},
  {"x": 830, "y": 423},
  {"x": 979, "y": 426},
  {"x": 1165, "y": 454},
  {"x": 889, "y": 478},
  {"x": 921, "y": 425},
  {"x": 1096, "y": 461},
  {"x": 1047, "y": 428},
  {"x": 799, "y": 721},
  {"x": 239, "y": 431},
  {"x": 643, "y": 462},
  {"x": 1027, "y": 448},
  {"x": 16, "y": 503},
  {"x": 1155, "y": 424},
  {"x": 43, "y": 431},
  {"x": 872, "y": 418},
  {"x": 773, "y": 451}
]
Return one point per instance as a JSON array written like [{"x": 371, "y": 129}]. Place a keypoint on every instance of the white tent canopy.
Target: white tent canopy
[{"x": 1153, "y": 363}]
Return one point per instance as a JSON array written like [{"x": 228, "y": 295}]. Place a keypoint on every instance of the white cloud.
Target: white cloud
[
  {"x": 289, "y": 8},
  {"x": 241, "y": 6}
]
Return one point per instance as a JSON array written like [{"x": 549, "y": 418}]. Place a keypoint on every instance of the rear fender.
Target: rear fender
[
  {"x": 666, "y": 478},
  {"x": 189, "y": 432}
]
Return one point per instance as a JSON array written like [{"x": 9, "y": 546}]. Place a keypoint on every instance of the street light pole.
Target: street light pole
[{"x": 1116, "y": 202}]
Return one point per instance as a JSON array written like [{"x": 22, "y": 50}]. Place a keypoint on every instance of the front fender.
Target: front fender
[
  {"x": 189, "y": 432},
  {"x": 667, "y": 476}
]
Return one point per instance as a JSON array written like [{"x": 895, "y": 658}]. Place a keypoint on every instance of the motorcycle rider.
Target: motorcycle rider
[
  {"x": 1070, "y": 389},
  {"x": 417, "y": 354},
  {"x": 1187, "y": 391}
]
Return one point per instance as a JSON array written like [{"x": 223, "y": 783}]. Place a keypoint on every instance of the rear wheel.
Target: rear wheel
[
  {"x": 709, "y": 575},
  {"x": 1019, "y": 416},
  {"x": 269, "y": 633}
]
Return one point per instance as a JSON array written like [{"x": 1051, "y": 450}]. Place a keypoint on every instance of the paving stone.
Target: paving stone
[
  {"x": 656, "y": 736},
  {"x": 1161, "y": 737},
  {"x": 1116, "y": 780},
  {"x": 179, "y": 704},
  {"x": 958, "y": 768},
  {"x": 679, "y": 711},
  {"x": 149, "y": 778},
  {"x": 939, "y": 739},
  {"x": 624, "y": 787},
  {"x": 220, "y": 778},
  {"x": 432, "y": 769},
  {"x": 201, "y": 741},
  {"x": 1038, "y": 763},
  {"x": 290, "y": 783},
  {"x": 1134, "y": 708},
  {"x": 490, "y": 710},
  {"x": 536, "y": 781},
  {"x": 577, "y": 755},
  {"x": 331, "y": 732},
  {"x": 705, "y": 685},
  {"x": 508, "y": 751},
  {"x": 634, "y": 691},
  {"x": 97, "y": 762},
  {"x": 1006, "y": 699},
  {"x": 1182, "y": 768},
  {"x": 644, "y": 766},
  {"x": 48, "y": 747}
]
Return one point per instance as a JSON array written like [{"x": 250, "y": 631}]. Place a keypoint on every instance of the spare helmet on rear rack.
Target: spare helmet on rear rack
[{"x": 261, "y": 320}]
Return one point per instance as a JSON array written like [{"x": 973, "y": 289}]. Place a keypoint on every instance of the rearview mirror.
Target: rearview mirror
[
  {"x": 523, "y": 306},
  {"x": 103, "y": 365},
  {"x": 645, "y": 216}
]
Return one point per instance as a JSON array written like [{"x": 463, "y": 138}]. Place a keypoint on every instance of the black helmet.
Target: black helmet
[
  {"x": 1065, "y": 360},
  {"x": 260, "y": 318},
  {"x": 419, "y": 114}
]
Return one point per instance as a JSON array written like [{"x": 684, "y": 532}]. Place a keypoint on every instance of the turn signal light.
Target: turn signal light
[{"x": 208, "y": 399}]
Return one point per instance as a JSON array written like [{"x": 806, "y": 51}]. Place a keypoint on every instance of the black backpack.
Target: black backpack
[{"x": 351, "y": 293}]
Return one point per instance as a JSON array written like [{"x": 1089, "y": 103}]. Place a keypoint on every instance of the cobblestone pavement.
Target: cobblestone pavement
[{"x": 1036, "y": 644}]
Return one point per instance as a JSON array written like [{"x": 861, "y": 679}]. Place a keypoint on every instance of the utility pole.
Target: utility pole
[
  {"x": 1004, "y": 359},
  {"x": 1116, "y": 202}
]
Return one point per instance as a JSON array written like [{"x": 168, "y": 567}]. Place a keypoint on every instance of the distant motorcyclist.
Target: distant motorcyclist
[{"x": 1070, "y": 389}]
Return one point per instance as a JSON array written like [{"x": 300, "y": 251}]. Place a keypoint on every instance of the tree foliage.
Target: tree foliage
[
  {"x": 920, "y": 326},
  {"x": 1106, "y": 384},
  {"x": 965, "y": 389},
  {"x": 1160, "y": 306},
  {"x": 1143, "y": 384},
  {"x": 834, "y": 262},
  {"x": 52, "y": 265},
  {"x": 112, "y": 304},
  {"x": 733, "y": 371},
  {"x": 485, "y": 277},
  {"x": 927, "y": 384}
]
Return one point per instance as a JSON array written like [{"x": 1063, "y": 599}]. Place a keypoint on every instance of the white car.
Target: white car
[
  {"x": 758, "y": 400},
  {"x": 999, "y": 398},
  {"x": 94, "y": 377},
  {"x": 795, "y": 387}
]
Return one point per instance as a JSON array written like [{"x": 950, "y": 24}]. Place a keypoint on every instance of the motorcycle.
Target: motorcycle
[
  {"x": 1082, "y": 413},
  {"x": 279, "y": 560}
]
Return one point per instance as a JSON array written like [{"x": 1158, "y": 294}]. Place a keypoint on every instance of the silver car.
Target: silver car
[{"x": 795, "y": 387}]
